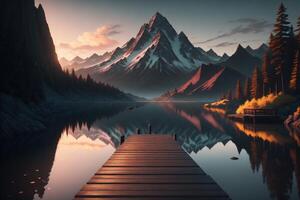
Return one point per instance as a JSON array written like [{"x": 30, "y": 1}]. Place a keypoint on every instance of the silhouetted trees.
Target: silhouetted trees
[
  {"x": 29, "y": 64},
  {"x": 267, "y": 74},
  {"x": 256, "y": 84},
  {"x": 298, "y": 34},
  {"x": 280, "y": 68},
  {"x": 229, "y": 95},
  {"x": 295, "y": 75},
  {"x": 280, "y": 47},
  {"x": 247, "y": 89},
  {"x": 238, "y": 90}
]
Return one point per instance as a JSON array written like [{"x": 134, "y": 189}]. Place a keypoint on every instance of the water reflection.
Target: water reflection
[
  {"x": 54, "y": 164},
  {"x": 59, "y": 162},
  {"x": 26, "y": 174},
  {"x": 76, "y": 160},
  {"x": 272, "y": 150}
]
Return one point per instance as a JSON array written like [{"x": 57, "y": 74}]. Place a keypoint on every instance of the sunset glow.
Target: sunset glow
[
  {"x": 85, "y": 27},
  {"x": 160, "y": 99}
]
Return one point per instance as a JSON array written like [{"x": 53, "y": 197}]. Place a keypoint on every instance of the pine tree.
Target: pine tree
[
  {"x": 267, "y": 74},
  {"x": 229, "y": 95},
  {"x": 238, "y": 90},
  {"x": 89, "y": 79},
  {"x": 256, "y": 84},
  {"x": 247, "y": 91},
  {"x": 298, "y": 33},
  {"x": 273, "y": 83},
  {"x": 271, "y": 41},
  {"x": 223, "y": 97},
  {"x": 279, "y": 47},
  {"x": 295, "y": 75},
  {"x": 175, "y": 91},
  {"x": 73, "y": 74}
]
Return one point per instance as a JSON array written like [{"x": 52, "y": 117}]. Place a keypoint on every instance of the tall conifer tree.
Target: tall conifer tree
[
  {"x": 267, "y": 74},
  {"x": 279, "y": 47},
  {"x": 256, "y": 84},
  {"x": 298, "y": 33},
  {"x": 295, "y": 76},
  {"x": 238, "y": 91},
  {"x": 247, "y": 89}
]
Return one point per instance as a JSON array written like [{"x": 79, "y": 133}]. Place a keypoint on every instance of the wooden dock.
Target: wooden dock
[
  {"x": 257, "y": 116},
  {"x": 148, "y": 167}
]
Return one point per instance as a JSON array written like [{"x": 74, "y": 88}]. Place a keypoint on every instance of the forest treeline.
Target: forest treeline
[
  {"x": 29, "y": 64},
  {"x": 280, "y": 71}
]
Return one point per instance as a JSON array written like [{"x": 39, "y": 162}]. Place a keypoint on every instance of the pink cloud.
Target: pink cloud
[{"x": 98, "y": 40}]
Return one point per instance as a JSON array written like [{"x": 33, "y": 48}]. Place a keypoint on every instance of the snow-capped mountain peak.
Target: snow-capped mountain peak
[
  {"x": 159, "y": 22},
  {"x": 156, "y": 50}
]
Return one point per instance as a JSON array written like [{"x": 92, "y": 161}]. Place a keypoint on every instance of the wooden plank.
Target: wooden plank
[
  {"x": 162, "y": 176},
  {"x": 92, "y": 187},
  {"x": 149, "y": 153},
  {"x": 148, "y": 164},
  {"x": 150, "y": 170},
  {"x": 154, "y": 193},
  {"x": 153, "y": 149},
  {"x": 153, "y": 161},
  {"x": 149, "y": 157},
  {"x": 159, "y": 179},
  {"x": 118, "y": 157},
  {"x": 153, "y": 198},
  {"x": 150, "y": 167}
]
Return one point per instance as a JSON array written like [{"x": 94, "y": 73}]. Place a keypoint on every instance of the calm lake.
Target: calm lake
[{"x": 55, "y": 164}]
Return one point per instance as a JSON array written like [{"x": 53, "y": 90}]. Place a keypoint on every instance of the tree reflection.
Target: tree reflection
[
  {"x": 272, "y": 150},
  {"x": 26, "y": 161}
]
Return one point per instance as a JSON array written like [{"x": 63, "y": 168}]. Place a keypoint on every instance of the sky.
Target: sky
[{"x": 84, "y": 27}]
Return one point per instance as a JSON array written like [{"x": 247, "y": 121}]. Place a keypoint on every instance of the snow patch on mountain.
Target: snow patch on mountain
[
  {"x": 156, "y": 39},
  {"x": 211, "y": 82},
  {"x": 176, "y": 46}
]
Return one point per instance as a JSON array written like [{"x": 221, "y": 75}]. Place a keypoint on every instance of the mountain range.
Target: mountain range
[
  {"x": 156, "y": 60},
  {"x": 259, "y": 52},
  {"x": 209, "y": 83},
  {"x": 79, "y": 63},
  {"x": 243, "y": 60},
  {"x": 212, "y": 81}
]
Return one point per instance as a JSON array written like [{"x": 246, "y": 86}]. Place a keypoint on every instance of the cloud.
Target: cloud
[
  {"x": 244, "y": 20},
  {"x": 246, "y": 26},
  {"x": 98, "y": 40},
  {"x": 227, "y": 44}
]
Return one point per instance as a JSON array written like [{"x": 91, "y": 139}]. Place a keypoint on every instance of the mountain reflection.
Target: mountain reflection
[
  {"x": 273, "y": 151},
  {"x": 26, "y": 161}
]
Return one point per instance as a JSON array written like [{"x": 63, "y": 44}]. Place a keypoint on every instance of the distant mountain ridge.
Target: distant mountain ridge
[
  {"x": 158, "y": 59},
  {"x": 78, "y": 63},
  {"x": 155, "y": 60},
  {"x": 210, "y": 82},
  {"x": 211, "y": 54},
  {"x": 258, "y": 52},
  {"x": 224, "y": 57},
  {"x": 242, "y": 61}
]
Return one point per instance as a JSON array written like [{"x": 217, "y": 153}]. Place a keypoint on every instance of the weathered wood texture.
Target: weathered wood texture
[{"x": 150, "y": 167}]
